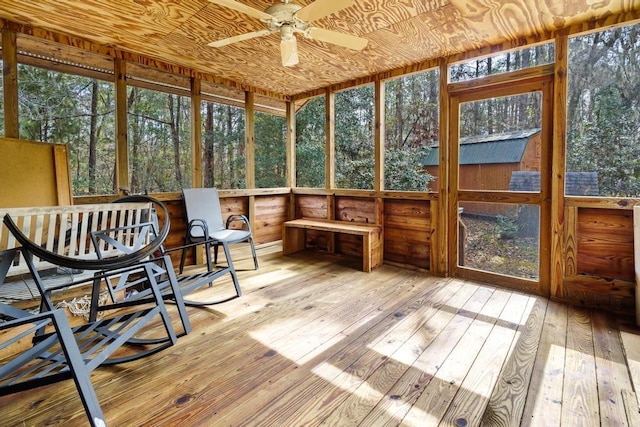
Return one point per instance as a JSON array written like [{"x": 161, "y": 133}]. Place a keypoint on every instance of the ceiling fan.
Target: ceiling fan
[{"x": 287, "y": 19}]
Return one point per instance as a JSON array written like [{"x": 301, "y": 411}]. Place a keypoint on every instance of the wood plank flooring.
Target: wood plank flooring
[{"x": 313, "y": 341}]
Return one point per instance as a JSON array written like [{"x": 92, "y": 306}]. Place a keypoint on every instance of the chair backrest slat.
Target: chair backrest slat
[{"x": 65, "y": 230}]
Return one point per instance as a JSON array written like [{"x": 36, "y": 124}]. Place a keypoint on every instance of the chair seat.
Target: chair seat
[{"x": 230, "y": 236}]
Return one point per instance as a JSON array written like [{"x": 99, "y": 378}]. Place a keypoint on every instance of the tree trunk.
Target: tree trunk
[
  {"x": 230, "y": 150},
  {"x": 208, "y": 154},
  {"x": 490, "y": 102},
  {"x": 399, "y": 114},
  {"x": 134, "y": 143},
  {"x": 175, "y": 113},
  {"x": 93, "y": 137}
]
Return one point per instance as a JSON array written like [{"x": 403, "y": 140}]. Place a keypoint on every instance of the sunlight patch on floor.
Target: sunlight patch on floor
[
  {"x": 419, "y": 418},
  {"x": 242, "y": 307},
  {"x": 297, "y": 338},
  {"x": 348, "y": 382},
  {"x": 266, "y": 279},
  {"x": 550, "y": 390},
  {"x": 365, "y": 393}
]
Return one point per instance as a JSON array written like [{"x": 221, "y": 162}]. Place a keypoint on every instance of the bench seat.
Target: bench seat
[
  {"x": 64, "y": 230},
  {"x": 294, "y": 237}
]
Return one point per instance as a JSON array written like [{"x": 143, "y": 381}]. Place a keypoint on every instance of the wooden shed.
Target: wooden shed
[
  {"x": 422, "y": 340},
  {"x": 488, "y": 163}
]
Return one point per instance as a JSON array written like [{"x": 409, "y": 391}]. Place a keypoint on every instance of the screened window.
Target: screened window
[
  {"x": 503, "y": 63},
  {"x": 159, "y": 141},
  {"x": 223, "y": 146},
  {"x": 603, "y": 114},
  {"x": 79, "y": 111},
  {"x": 501, "y": 238},
  {"x": 270, "y": 137},
  {"x": 311, "y": 144},
  {"x": 411, "y": 130},
  {"x": 354, "y": 130},
  {"x": 500, "y": 144}
]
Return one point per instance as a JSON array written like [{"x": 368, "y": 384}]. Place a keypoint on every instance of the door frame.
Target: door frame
[{"x": 540, "y": 80}]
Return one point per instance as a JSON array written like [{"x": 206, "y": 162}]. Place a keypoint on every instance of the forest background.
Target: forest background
[{"x": 603, "y": 125}]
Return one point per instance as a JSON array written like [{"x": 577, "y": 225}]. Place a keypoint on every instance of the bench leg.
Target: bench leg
[
  {"x": 366, "y": 253},
  {"x": 293, "y": 240}
]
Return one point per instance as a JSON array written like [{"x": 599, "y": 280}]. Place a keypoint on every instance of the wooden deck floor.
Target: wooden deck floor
[{"x": 314, "y": 341}]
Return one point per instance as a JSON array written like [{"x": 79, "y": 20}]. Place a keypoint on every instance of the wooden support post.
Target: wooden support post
[
  {"x": 196, "y": 134},
  {"x": 330, "y": 146},
  {"x": 291, "y": 144},
  {"x": 636, "y": 259},
  {"x": 122, "y": 150},
  {"x": 442, "y": 253},
  {"x": 450, "y": 191},
  {"x": 196, "y": 149},
  {"x": 10, "y": 83},
  {"x": 558, "y": 166},
  {"x": 378, "y": 184},
  {"x": 63, "y": 175},
  {"x": 330, "y": 158},
  {"x": 250, "y": 141}
]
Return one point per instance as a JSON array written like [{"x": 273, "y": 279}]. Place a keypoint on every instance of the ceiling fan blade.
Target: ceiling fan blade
[
  {"x": 340, "y": 39},
  {"x": 321, "y": 8},
  {"x": 231, "y": 4},
  {"x": 239, "y": 38},
  {"x": 289, "y": 51}
]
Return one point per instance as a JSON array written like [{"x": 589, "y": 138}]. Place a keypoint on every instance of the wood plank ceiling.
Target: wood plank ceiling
[{"x": 400, "y": 33}]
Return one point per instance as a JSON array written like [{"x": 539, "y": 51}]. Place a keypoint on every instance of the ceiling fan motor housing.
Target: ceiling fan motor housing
[
  {"x": 283, "y": 15},
  {"x": 283, "y": 18}
]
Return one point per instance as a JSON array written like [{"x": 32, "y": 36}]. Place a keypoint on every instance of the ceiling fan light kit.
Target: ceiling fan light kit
[
  {"x": 288, "y": 46},
  {"x": 288, "y": 19}
]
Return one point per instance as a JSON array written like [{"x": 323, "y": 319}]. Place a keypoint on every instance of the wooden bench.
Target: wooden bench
[
  {"x": 68, "y": 231},
  {"x": 294, "y": 237},
  {"x": 109, "y": 247},
  {"x": 65, "y": 230}
]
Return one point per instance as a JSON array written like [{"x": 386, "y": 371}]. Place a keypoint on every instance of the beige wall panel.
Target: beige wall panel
[{"x": 29, "y": 176}]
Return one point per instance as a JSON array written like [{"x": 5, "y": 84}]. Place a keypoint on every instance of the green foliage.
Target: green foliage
[
  {"x": 354, "y": 128},
  {"x": 223, "y": 146},
  {"x": 604, "y": 109},
  {"x": 603, "y": 129},
  {"x": 404, "y": 172},
  {"x": 159, "y": 141},
  {"x": 310, "y": 144},
  {"x": 411, "y": 127},
  {"x": 270, "y": 137},
  {"x": 504, "y": 62},
  {"x": 57, "y": 107},
  {"x": 507, "y": 227}
]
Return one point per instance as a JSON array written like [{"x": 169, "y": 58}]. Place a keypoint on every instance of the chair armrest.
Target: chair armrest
[
  {"x": 198, "y": 223},
  {"x": 187, "y": 246},
  {"x": 24, "y": 317},
  {"x": 137, "y": 235},
  {"x": 238, "y": 217}
]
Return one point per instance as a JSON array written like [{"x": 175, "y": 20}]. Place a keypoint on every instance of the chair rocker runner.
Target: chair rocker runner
[
  {"x": 49, "y": 360},
  {"x": 205, "y": 226},
  {"x": 128, "y": 285}
]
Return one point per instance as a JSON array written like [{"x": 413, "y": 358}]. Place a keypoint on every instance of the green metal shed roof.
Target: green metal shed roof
[{"x": 485, "y": 149}]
